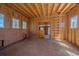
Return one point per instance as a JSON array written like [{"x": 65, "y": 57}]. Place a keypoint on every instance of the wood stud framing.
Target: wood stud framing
[{"x": 43, "y": 9}]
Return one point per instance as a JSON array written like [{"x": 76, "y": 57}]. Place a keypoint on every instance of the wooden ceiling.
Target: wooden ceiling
[{"x": 33, "y": 10}]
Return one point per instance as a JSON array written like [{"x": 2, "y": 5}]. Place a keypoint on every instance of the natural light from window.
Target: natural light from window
[
  {"x": 74, "y": 22},
  {"x": 15, "y": 23},
  {"x": 1, "y": 21},
  {"x": 24, "y": 25}
]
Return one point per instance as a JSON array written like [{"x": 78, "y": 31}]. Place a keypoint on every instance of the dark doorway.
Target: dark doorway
[{"x": 45, "y": 31}]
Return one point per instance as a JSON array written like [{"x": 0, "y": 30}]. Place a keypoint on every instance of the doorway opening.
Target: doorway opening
[{"x": 45, "y": 31}]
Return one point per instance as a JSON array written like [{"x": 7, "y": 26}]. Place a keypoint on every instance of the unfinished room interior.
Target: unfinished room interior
[{"x": 39, "y": 29}]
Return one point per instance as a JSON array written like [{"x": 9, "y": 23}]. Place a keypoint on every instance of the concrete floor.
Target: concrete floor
[{"x": 40, "y": 47}]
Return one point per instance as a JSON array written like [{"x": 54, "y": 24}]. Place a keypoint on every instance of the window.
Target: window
[
  {"x": 1, "y": 21},
  {"x": 15, "y": 23},
  {"x": 24, "y": 25},
  {"x": 74, "y": 22}
]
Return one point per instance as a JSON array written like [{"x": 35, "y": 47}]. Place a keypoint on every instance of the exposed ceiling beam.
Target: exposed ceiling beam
[
  {"x": 1, "y": 5},
  {"x": 67, "y": 7},
  {"x": 61, "y": 7},
  {"x": 38, "y": 8},
  {"x": 17, "y": 9},
  {"x": 26, "y": 9},
  {"x": 33, "y": 10},
  {"x": 56, "y": 6},
  {"x": 50, "y": 7},
  {"x": 43, "y": 9},
  {"x": 54, "y": 9},
  {"x": 73, "y": 5},
  {"x": 46, "y": 9}
]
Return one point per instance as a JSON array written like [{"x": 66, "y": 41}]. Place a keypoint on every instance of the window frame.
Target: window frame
[
  {"x": 15, "y": 23},
  {"x": 73, "y": 22},
  {"x": 23, "y": 25},
  {"x": 3, "y": 21}
]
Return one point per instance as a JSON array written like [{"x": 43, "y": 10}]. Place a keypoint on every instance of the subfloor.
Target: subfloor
[{"x": 40, "y": 47}]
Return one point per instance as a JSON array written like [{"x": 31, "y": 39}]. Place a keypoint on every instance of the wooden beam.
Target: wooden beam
[
  {"x": 32, "y": 9},
  {"x": 26, "y": 9},
  {"x": 61, "y": 7},
  {"x": 38, "y": 8},
  {"x": 17, "y": 9},
  {"x": 66, "y": 7},
  {"x": 73, "y": 5},
  {"x": 1, "y": 4},
  {"x": 50, "y": 7},
  {"x": 43, "y": 9},
  {"x": 46, "y": 9},
  {"x": 56, "y": 6}
]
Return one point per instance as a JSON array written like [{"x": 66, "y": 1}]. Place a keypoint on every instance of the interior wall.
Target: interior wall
[
  {"x": 72, "y": 34},
  {"x": 54, "y": 22},
  {"x": 64, "y": 33},
  {"x": 8, "y": 34}
]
